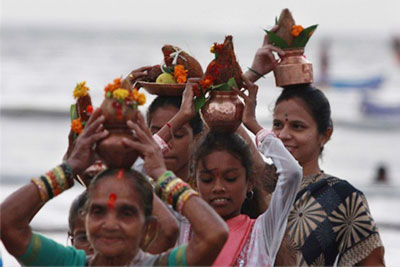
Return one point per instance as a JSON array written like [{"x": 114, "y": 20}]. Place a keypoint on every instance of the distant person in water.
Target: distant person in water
[
  {"x": 323, "y": 79},
  {"x": 396, "y": 47},
  {"x": 381, "y": 175}
]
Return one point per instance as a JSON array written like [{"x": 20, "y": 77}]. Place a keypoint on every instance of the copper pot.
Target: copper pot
[
  {"x": 223, "y": 111},
  {"x": 293, "y": 68},
  {"x": 111, "y": 149}
]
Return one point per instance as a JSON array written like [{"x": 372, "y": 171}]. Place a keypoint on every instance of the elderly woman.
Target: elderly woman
[{"x": 117, "y": 211}]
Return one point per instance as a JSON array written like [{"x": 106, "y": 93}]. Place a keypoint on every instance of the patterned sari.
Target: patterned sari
[{"x": 331, "y": 219}]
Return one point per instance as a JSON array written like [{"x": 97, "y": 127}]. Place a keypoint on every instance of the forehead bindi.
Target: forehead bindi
[{"x": 292, "y": 109}]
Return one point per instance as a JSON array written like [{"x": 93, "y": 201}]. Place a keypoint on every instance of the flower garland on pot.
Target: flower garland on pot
[
  {"x": 221, "y": 74},
  {"x": 221, "y": 108},
  {"x": 81, "y": 111}
]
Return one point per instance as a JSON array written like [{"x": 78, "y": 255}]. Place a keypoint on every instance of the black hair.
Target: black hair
[
  {"x": 234, "y": 144},
  {"x": 75, "y": 209},
  {"x": 315, "y": 100},
  {"x": 139, "y": 182},
  {"x": 162, "y": 101}
]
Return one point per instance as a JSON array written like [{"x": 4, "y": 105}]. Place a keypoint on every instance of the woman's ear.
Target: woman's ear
[
  {"x": 151, "y": 229},
  {"x": 325, "y": 137}
]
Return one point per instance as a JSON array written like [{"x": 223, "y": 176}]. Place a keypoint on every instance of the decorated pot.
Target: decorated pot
[
  {"x": 293, "y": 68},
  {"x": 111, "y": 149},
  {"x": 223, "y": 111}
]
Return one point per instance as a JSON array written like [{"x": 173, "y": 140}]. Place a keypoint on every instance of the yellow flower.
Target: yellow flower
[
  {"x": 180, "y": 73},
  {"x": 212, "y": 49},
  {"x": 120, "y": 94},
  {"x": 80, "y": 89},
  {"x": 141, "y": 99}
]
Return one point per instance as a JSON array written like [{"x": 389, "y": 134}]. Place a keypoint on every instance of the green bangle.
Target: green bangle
[{"x": 256, "y": 73}]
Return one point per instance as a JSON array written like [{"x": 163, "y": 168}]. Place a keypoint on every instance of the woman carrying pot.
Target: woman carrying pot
[
  {"x": 330, "y": 219},
  {"x": 118, "y": 211}
]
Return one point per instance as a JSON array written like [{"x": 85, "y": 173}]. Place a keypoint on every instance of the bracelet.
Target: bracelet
[
  {"x": 42, "y": 189},
  {"x": 163, "y": 145},
  {"x": 256, "y": 73},
  {"x": 54, "y": 182},
  {"x": 174, "y": 191}
]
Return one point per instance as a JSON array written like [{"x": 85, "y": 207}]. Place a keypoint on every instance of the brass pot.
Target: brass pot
[
  {"x": 114, "y": 153},
  {"x": 111, "y": 149},
  {"x": 293, "y": 68},
  {"x": 223, "y": 111}
]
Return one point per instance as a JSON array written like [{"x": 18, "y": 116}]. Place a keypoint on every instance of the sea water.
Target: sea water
[{"x": 41, "y": 66}]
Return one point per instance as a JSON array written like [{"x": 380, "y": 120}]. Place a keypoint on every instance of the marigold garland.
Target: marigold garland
[
  {"x": 80, "y": 90},
  {"x": 111, "y": 87},
  {"x": 180, "y": 73},
  {"x": 120, "y": 94},
  {"x": 77, "y": 126}
]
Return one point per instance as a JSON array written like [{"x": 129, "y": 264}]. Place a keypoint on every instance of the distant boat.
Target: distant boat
[
  {"x": 357, "y": 84},
  {"x": 370, "y": 108}
]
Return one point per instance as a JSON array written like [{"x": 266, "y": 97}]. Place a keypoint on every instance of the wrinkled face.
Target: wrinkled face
[
  {"x": 297, "y": 129},
  {"x": 178, "y": 157},
  {"x": 78, "y": 238},
  {"x": 115, "y": 219},
  {"x": 221, "y": 181}
]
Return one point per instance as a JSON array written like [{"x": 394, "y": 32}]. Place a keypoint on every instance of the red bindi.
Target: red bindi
[
  {"x": 286, "y": 117},
  {"x": 111, "y": 200}
]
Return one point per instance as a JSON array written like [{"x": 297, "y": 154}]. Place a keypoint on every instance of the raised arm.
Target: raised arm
[
  {"x": 274, "y": 220},
  {"x": 20, "y": 207},
  {"x": 264, "y": 60},
  {"x": 209, "y": 230},
  {"x": 185, "y": 113}
]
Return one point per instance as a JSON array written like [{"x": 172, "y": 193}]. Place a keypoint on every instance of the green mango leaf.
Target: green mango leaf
[
  {"x": 199, "y": 102},
  {"x": 72, "y": 112},
  {"x": 216, "y": 87},
  {"x": 304, "y": 36},
  {"x": 276, "y": 40},
  {"x": 232, "y": 83}
]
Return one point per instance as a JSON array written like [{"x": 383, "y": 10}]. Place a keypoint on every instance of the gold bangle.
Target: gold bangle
[{"x": 44, "y": 196}]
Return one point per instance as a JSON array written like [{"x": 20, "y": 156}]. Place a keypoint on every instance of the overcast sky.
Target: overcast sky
[{"x": 375, "y": 16}]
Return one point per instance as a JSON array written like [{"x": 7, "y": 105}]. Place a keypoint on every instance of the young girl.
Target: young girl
[
  {"x": 118, "y": 211},
  {"x": 223, "y": 172}
]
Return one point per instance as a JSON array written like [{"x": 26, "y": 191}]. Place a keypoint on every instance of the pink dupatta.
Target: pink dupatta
[{"x": 239, "y": 231}]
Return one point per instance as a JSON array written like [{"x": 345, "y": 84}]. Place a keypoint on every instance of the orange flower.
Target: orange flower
[
  {"x": 135, "y": 94},
  {"x": 296, "y": 30},
  {"x": 141, "y": 99},
  {"x": 76, "y": 126},
  {"x": 113, "y": 86},
  {"x": 180, "y": 74},
  {"x": 206, "y": 82}
]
